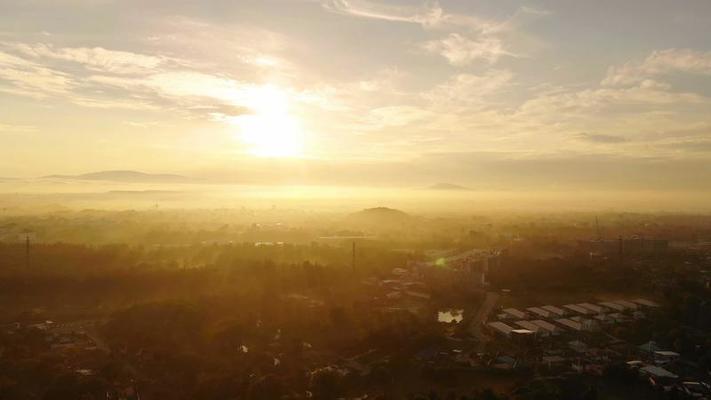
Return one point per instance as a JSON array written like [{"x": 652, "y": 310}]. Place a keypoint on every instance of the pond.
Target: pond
[{"x": 449, "y": 316}]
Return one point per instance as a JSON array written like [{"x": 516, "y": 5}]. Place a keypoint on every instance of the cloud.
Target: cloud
[
  {"x": 461, "y": 51},
  {"x": 97, "y": 58},
  {"x": 694, "y": 146},
  {"x": 660, "y": 62},
  {"x": 600, "y": 138},
  {"x": 428, "y": 15},
  {"x": 395, "y": 116},
  {"x": 468, "y": 90},
  {"x": 470, "y": 38},
  {"x": 27, "y": 78},
  {"x": 120, "y": 80},
  {"x": 13, "y": 128}
]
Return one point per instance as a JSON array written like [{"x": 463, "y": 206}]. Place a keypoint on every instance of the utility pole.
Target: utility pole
[
  {"x": 597, "y": 228},
  {"x": 353, "y": 260},
  {"x": 621, "y": 250},
  {"x": 27, "y": 251}
]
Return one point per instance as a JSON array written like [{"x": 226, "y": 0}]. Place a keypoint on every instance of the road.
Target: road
[{"x": 487, "y": 306}]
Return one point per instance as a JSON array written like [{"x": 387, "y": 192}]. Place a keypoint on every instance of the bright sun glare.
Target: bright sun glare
[{"x": 271, "y": 130}]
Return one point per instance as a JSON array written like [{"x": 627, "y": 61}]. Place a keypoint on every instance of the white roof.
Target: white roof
[
  {"x": 577, "y": 309},
  {"x": 516, "y": 313},
  {"x": 539, "y": 311},
  {"x": 501, "y": 327},
  {"x": 554, "y": 310},
  {"x": 545, "y": 325},
  {"x": 667, "y": 353},
  {"x": 570, "y": 324},
  {"x": 523, "y": 332}
]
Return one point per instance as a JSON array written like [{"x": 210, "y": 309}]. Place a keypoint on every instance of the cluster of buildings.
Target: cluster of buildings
[{"x": 550, "y": 320}]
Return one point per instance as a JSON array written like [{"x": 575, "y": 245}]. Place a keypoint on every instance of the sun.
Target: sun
[{"x": 271, "y": 130}]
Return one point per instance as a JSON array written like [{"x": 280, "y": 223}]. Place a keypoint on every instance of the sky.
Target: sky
[{"x": 495, "y": 94}]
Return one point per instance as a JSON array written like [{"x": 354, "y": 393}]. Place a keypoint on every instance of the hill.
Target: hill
[
  {"x": 123, "y": 176},
  {"x": 447, "y": 186},
  {"x": 380, "y": 216}
]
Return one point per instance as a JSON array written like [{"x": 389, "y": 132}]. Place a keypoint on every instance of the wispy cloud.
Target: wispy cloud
[
  {"x": 14, "y": 128},
  {"x": 428, "y": 15},
  {"x": 658, "y": 63},
  {"x": 28, "y": 78},
  {"x": 462, "y": 51},
  {"x": 96, "y": 58},
  {"x": 469, "y": 38},
  {"x": 600, "y": 138}
]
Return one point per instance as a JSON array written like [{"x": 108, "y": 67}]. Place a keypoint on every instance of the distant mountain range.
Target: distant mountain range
[
  {"x": 447, "y": 186},
  {"x": 124, "y": 176}
]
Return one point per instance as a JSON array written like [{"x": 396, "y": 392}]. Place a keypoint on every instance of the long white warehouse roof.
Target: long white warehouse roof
[
  {"x": 577, "y": 309},
  {"x": 646, "y": 302},
  {"x": 555, "y": 310},
  {"x": 545, "y": 325},
  {"x": 514, "y": 312},
  {"x": 627, "y": 304},
  {"x": 528, "y": 325},
  {"x": 501, "y": 327},
  {"x": 592, "y": 307},
  {"x": 613, "y": 306},
  {"x": 574, "y": 325},
  {"x": 539, "y": 311}
]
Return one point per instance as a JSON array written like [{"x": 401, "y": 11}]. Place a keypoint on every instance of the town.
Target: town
[{"x": 513, "y": 309}]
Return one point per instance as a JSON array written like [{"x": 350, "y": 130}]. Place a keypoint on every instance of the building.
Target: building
[
  {"x": 575, "y": 308},
  {"x": 592, "y": 307},
  {"x": 613, "y": 306},
  {"x": 501, "y": 328},
  {"x": 537, "y": 311},
  {"x": 555, "y": 310},
  {"x": 547, "y": 326},
  {"x": 628, "y": 304},
  {"x": 570, "y": 324},
  {"x": 532, "y": 327},
  {"x": 645, "y": 302},
  {"x": 662, "y": 357},
  {"x": 515, "y": 313}
]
